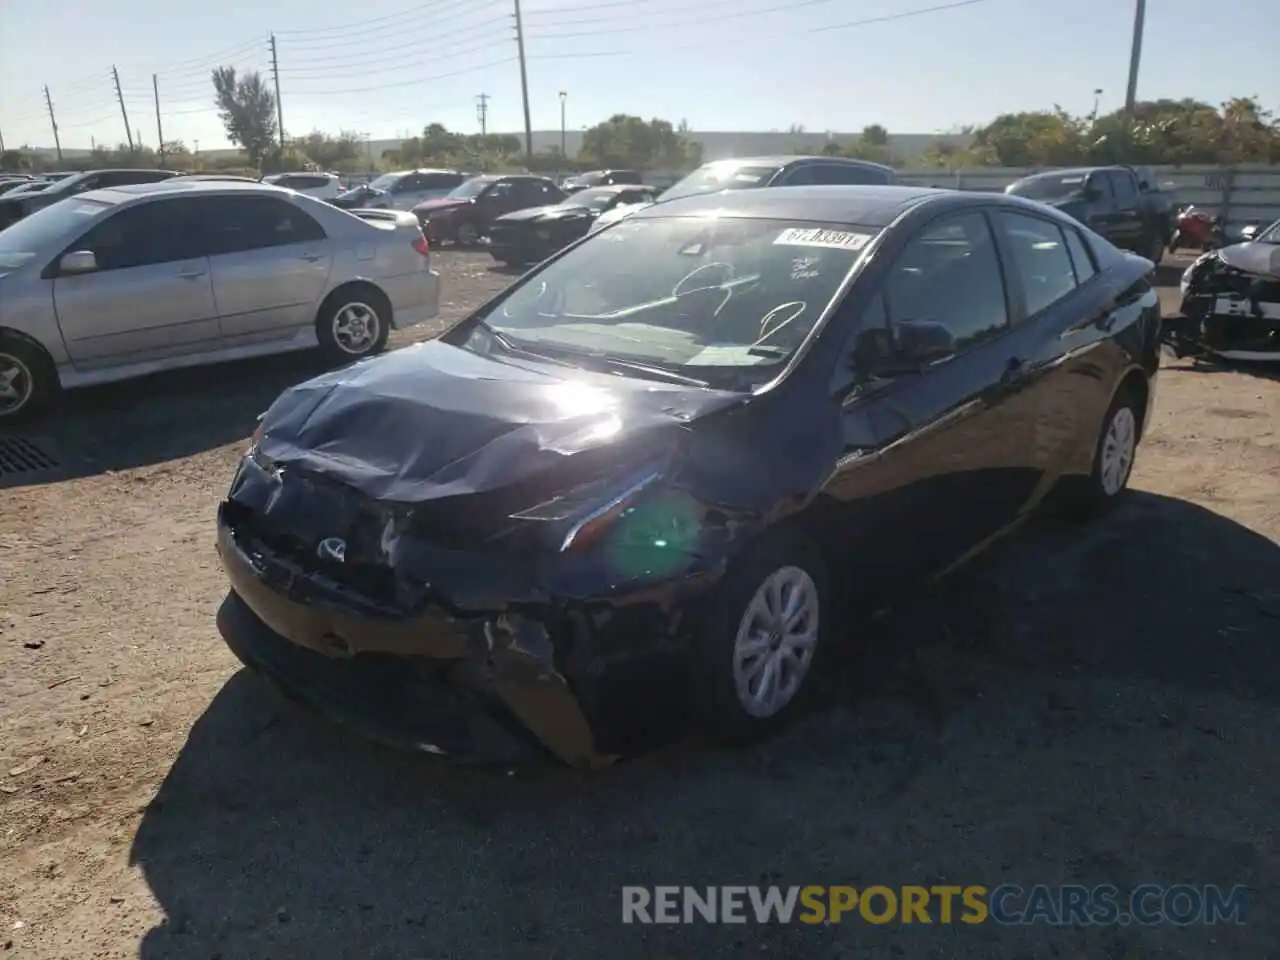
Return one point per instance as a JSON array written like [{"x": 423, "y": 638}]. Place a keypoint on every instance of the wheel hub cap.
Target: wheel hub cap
[
  {"x": 355, "y": 328},
  {"x": 1117, "y": 451},
  {"x": 775, "y": 643},
  {"x": 15, "y": 384}
]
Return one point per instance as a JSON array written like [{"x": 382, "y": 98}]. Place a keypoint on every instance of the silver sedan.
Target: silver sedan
[{"x": 118, "y": 283}]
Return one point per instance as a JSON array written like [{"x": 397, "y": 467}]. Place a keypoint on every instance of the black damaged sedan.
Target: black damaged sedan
[
  {"x": 651, "y": 485},
  {"x": 528, "y": 236}
]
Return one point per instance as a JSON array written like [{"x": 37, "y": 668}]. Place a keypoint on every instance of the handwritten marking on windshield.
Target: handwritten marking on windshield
[{"x": 832, "y": 239}]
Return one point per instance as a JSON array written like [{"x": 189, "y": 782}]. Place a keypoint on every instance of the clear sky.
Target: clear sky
[{"x": 386, "y": 68}]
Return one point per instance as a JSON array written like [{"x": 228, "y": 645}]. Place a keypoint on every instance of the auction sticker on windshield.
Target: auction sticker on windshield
[{"x": 834, "y": 239}]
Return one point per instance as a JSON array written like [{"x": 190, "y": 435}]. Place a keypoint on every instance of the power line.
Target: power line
[
  {"x": 416, "y": 81},
  {"x": 705, "y": 42},
  {"x": 374, "y": 28},
  {"x": 758, "y": 12},
  {"x": 382, "y": 63}
]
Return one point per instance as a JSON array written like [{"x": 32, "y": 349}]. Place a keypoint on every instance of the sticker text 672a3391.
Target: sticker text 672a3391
[{"x": 835, "y": 239}]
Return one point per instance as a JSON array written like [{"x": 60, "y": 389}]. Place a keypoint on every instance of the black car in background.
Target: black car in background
[
  {"x": 600, "y": 178},
  {"x": 13, "y": 209},
  {"x": 1118, "y": 202},
  {"x": 655, "y": 480},
  {"x": 533, "y": 234},
  {"x": 357, "y": 197}
]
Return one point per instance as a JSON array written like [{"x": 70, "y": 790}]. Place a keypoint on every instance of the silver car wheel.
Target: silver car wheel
[
  {"x": 776, "y": 640},
  {"x": 356, "y": 327},
  {"x": 468, "y": 234},
  {"x": 1118, "y": 447},
  {"x": 17, "y": 386}
]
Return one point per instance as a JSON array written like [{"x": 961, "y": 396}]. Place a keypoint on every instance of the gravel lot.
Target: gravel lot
[{"x": 1081, "y": 706}]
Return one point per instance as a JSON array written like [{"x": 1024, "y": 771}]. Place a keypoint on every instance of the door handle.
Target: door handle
[
  {"x": 312, "y": 257},
  {"x": 192, "y": 274}
]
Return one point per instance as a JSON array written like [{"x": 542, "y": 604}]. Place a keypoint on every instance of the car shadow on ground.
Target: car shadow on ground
[
  {"x": 154, "y": 419},
  {"x": 1259, "y": 369},
  {"x": 955, "y": 752}
]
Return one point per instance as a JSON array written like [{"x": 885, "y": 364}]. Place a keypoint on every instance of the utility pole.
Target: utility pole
[
  {"x": 155, "y": 88},
  {"x": 48, "y": 101},
  {"x": 275, "y": 73},
  {"x": 524, "y": 89},
  {"x": 128, "y": 133},
  {"x": 1, "y": 141},
  {"x": 1135, "y": 57},
  {"x": 482, "y": 113},
  {"x": 564, "y": 95}
]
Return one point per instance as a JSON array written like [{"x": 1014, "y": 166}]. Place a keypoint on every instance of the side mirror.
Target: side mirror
[
  {"x": 912, "y": 346},
  {"x": 78, "y": 261}
]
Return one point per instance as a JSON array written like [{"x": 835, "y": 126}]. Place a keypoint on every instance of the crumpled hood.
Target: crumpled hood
[
  {"x": 434, "y": 421},
  {"x": 1260, "y": 258},
  {"x": 440, "y": 204}
]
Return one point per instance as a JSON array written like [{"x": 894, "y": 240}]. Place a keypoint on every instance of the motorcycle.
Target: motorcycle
[{"x": 1197, "y": 229}]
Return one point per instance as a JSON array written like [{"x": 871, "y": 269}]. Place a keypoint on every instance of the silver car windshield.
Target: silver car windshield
[
  {"x": 1269, "y": 235},
  {"x": 709, "y": 297},
  {"x": 386, "y": 181},
  {"x": 23, "y": 241},
  {"x": 721, "y": 175}
]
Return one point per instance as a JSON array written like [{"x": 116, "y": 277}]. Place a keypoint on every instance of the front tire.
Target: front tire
[
  {"x": 28, "y": 379},
  {"x": 467, "y": 234},
  {"x": 354, "y": 325},
  {"x": 766, "y": 637}
]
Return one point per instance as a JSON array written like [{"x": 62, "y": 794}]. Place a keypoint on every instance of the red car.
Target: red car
[{"x": 463, "y": 216}]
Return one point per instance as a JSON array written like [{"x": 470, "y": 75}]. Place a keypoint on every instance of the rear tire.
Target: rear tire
[
  {"x": 765, "y": 638},
  {"x": 1113, "y": 457},
  {"x": 354, "y": 324},
  {"x": 28, "y": 379}
]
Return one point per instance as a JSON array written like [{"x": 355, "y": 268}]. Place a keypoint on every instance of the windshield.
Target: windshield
[
  {"x": 386, "y": 181},
  {"x": 724, "y": 300},
  {"x": 594, "y": 200},
  {"x": 1269, "y": 235},
  {"x": 25, "y": 239},
  {"x": 470, "y": 188},
  {"x": 724, "y": 175},
  {"x": 1048, "y": 188}
]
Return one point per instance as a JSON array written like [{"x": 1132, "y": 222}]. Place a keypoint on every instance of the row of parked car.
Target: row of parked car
[{"x": 112, "y": 273}]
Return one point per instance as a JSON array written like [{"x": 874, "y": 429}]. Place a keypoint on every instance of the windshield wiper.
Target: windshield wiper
[
  {"x": 646, "y": 369},
  {"x": 510, "y": 346}
]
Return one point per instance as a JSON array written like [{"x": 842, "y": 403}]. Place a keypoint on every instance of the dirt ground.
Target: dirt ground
[{"x": 1083, "y": 705}]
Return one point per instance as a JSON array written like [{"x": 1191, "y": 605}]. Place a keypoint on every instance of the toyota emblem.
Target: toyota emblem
[{"x": 332, "y": 548}]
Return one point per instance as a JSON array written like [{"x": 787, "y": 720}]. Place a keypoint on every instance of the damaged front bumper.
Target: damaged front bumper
[
  {"x": 472, "y": 688},
  {"x": 1226, "y": 311}
]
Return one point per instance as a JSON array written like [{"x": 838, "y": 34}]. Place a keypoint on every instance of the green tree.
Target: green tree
[
  {"x": 17, "y": 161},
  {"x": 875, "y": 135},
  {"x": 627, "y": 141},
  {"x": 247, "y": 108},
  {"x": 342, "y": 152}
]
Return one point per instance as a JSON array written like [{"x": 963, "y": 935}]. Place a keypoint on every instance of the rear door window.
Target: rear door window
[
  {"x": 847, "y": 173},
  {"x": 237, "y": 224},
  {"x": 1041, "y": 259},
  {"x": 1081, "y": 258}
]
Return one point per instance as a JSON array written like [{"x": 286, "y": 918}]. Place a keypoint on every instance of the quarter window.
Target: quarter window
[
  {"x": 950, "y": 273},
  {"x": 1040, "y": 258},
  {"x": 1081, "y": 259}
]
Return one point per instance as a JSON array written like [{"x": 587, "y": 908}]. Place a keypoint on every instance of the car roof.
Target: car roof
[
  {"x": 1066, "y": 172},
  {"x": 782, "y": 160},
  {"x": 870, "y": 206},
  {"x": 179, "y": 185},
  {"x": 619, "y": 187}
]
